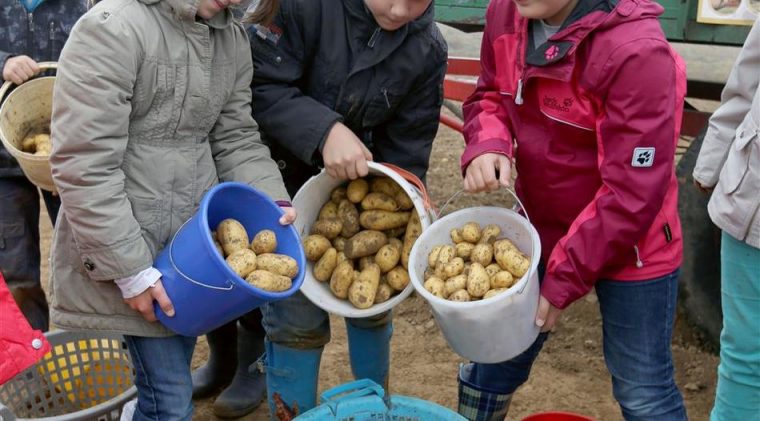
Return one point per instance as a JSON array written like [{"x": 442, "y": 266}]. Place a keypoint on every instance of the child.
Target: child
[
  {"x": 151, "y": 109},
  {"x": 33, "y": 31},
  {"x": 592, "y": 94},
  {"x": 729, "y": 161},
  {"x": 338, "y": 83}
]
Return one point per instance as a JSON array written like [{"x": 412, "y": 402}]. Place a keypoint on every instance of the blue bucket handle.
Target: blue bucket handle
[
  {"x": 356, "y": 389},
  {"x": 171, "y": 260}
]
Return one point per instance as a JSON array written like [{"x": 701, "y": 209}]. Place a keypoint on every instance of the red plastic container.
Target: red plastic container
[{"x": 557, "y": 416}]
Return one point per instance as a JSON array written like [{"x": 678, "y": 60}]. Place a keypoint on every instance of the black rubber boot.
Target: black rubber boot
[
  {"x": 218, "y": 371},
  {"x": 248, "y": 387}
]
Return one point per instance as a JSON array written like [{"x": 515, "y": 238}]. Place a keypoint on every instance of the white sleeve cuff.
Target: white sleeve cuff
[{"x": 135, "y": 285}]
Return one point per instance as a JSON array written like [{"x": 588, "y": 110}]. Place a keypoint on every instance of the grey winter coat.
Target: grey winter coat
[
  {"x": 730, "y": 156},
  {"x": 151, "y": 109}
]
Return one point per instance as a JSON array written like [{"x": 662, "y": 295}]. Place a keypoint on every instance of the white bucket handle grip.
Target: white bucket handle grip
[
  {"x": 43, "y": 65},
  {"x": 171, "y": 259}
]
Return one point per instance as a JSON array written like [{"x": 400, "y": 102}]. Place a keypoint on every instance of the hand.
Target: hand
[
  {"x": 547, "y": 315},
  {"x": 19, "y": 69},
  {"x": 481, "y": 173},
  {"x": 344, "y": 155},
  {"x": 143, "y": 303},
  {"x": 289, "y": 217},
  {"x": 703, "y": 189}
]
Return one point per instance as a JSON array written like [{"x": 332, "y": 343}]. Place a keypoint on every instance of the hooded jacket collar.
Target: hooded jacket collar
[
  {"x": 187, "y": 9},
  {"x": 357, "y": 11}
]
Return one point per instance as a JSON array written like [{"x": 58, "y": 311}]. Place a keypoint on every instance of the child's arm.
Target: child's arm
[
  {"x": 637, "y": 115},
  {"x": 736, "y": 102},
  {"x": 281, "y": 56},
  {"x": 236, "y": 144}
]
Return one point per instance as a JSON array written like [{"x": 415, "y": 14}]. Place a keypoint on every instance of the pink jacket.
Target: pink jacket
[
  {"x": 20, "y": 346},
  {"x": 595, "y": 113}
]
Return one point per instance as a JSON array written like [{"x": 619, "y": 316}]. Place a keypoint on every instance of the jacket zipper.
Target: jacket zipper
[
  {"x": 373, "y": 38},
  {"x": 51, "y": 41},
  {"x": 639, "y": 263},
  {"x": 521, "y": 57},
  {"x": 385, "y": 95},
  {"x": 30, "y": 30}
]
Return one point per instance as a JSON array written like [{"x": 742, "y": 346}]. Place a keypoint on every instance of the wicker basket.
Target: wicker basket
[{"x": 86, "y": 376}]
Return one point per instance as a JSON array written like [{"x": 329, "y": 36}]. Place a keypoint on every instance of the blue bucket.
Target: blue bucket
[
  {"x": 365, "y": 400},
  {"x": 205, "y": 292}
]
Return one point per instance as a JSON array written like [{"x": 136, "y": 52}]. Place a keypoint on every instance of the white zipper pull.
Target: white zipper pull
[
  {"x": 518, "y": 97},
  {"x": 387, "y": 101},
  {"x": 639, "y": 263}
]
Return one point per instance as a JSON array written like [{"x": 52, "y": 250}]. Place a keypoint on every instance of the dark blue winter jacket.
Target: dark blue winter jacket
[
  {"x": 39, "y": 34},
  {"x": 324, "y": 61}
]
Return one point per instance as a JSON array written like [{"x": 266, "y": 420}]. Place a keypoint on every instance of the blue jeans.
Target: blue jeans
[
  {"x": 296, "y": 322},
  {"x": 20, "y": 245},
  {"x": 164, "y": 385},
  {"x": 637, "y": 323}
]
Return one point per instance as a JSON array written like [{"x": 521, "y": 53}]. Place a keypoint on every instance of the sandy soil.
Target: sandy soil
[{"x": 569, "y": 375}]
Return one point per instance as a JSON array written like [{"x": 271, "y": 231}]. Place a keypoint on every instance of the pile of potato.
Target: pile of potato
[
  {"x": 37, "y": 144},
  {"x": 361, "y": 241},
  {"x": 256, "y": 262},
  {"x": 477, "y": 266}
]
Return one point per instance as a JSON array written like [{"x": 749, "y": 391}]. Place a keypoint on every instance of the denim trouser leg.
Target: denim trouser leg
[
  {"x": 19, "y": 232},
  {"x": 737, "y": 396},
  {"x": 637, "y": 322},
  {"x": 164, "y": 386},
  {"x": 296, "y": 322}
]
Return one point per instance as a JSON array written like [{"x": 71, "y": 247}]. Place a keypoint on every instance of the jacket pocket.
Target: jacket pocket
[
  {"x": 380, "y": 108},
  {"x": 738, "y": 160},
  {"x": 147, "y": 214}
]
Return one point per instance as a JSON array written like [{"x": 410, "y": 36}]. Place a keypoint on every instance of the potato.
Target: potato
[
  {"x": 384, "y": 185},
  {"x": 338, "y": 194},
  {"x": 364, "y": 243},
  {"x": 339, "y": 243},
  {"x": 314, "y": 246},
  {"x": 445, "y": 255},
  {"x": 341, "y": 279},
  {"x": 404, "y": 201},
  {"x": 395, "y": 242},
  {"x": 436, "y": 287},
  {"x": 482, "y": 253},
  {"x": 471, "y": 232},
  {"x": 464, "y": 250},
  {"x": 232, "y": 236},
  {"x": 502, "y": 279},
  {"x": 455, "y": 284},
  {"x": 493, "y": 269},
  {"x": 366, "y": 261},
  {"x": 384, "y": 292},
  {"x": 269, "y": 281},
  {"x": 219, "y": 248},
  {"x": 477, "y": 281},
  {"x": 280, "y": 264},
  {"x": 342, "y": 258},
  {"x": 324, "y": 268},
  {"x": 362, "y": 291},
  {"x": 29, "y": 144},
  {"x": 503, "y": 245},
  {"x": 265, "y": 241},
  {"x": 43, "y": 149},
  {"x": 456, "y": 236},
  {"x": 379, "y": 201},
  {"x": 380, "y": 220},
  {"x": 460, "y": 296},
  {"x": 329, "y": 228},
  {"x": 398, "y": 278},
  {"x": 387, "y": 257},
  {"x": 242, "y": 262},
  {"x": 413, "y": 231},
  {"x": 494, "y": 292},
  {"x": 433, "y": 256},
  {"x": 395, "y": 232},
  {"x": 490, "y": 233},
  {"x": 429, "y": 273},
  {"x": 357, "y": 189},
  {"x": 513, "y": 261},
  {"x": 454, "y": 267},
  {"x": 349, "y": 216},
  {"x": 329, "y": 210}
]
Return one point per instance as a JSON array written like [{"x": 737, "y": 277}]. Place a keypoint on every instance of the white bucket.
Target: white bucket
[
  {"x": 27, "y": 107},
  {"x": 492, "y": 330},
  {"x": 309, "y": 200}
]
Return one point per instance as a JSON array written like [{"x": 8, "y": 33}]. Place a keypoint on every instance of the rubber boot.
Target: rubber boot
[
  {"x": 369, "y": 351},
  {"x": 33, "y": 305},
  {"x": 222, "y": 361},
  {"x": 292, "y": 374},
  {"x": 480, "y": 405},
  {"x": 248, "y": 387}
]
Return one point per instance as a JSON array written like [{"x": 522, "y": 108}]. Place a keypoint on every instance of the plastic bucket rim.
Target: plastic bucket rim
[
  {"x": 10, "y": 146},
  {"x": 430, "y": 218},
  {"x": 222, "y": 264},
  {"x": 517, "y": 288}
]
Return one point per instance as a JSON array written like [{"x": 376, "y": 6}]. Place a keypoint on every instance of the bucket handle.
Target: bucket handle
[
  {"x": 44, "y": 65},
  {"x": 524, "y": 214},
  {"x": 171, "y": 260},
  {"x": 352, "y": 390},
  {"x": 410, "y": 177}
]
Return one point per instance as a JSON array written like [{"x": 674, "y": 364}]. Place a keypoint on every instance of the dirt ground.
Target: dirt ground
[{"x": 569, "y": 375}]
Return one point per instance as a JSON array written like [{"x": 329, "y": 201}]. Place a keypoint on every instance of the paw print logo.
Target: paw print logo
[
  {"x": 551, "y": 53},
  {"x": 644, "y": 157}
]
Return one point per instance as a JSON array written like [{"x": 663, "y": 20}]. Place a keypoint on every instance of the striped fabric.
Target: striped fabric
[{"x": 477, "y": 405}]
